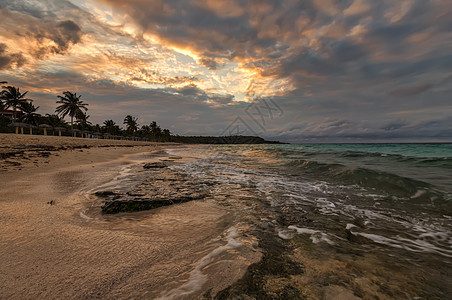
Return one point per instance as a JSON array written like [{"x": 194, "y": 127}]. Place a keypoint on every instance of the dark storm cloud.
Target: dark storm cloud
[
  {"x": 357, "y": 69},
  {"x": 195, "y": 92},
  {"x": 332, "y": 59},
  {"x": 394, "y": 125},
  {"x": 49, "y": 27},
  {"x": 221, "y": 99},
  {"x": 253, "y": 29},
  {"x": 41, "y": 36},
  {"x": 412, "y": 90},
  {"x": 267, "y": 30},
  {"x": 406, "y": 69},
  {"x": 70, "y": 32},
  {"x": 10, "y": 60},
  {"x": 434, "y": 129},
  {"x": 209, "y": 63}
]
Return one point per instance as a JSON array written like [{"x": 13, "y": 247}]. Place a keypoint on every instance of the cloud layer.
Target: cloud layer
[{"x": 353, "y": 69}]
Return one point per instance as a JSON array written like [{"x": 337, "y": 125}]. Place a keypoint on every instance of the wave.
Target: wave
[
  {"x": 442, "y": 162},
  {"x": 390, "y": 184}
]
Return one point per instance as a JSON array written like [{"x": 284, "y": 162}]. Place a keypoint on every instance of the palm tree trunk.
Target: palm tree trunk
[
  {"x": 14, "y": 113},
  {"x": 72, "y": 125}
]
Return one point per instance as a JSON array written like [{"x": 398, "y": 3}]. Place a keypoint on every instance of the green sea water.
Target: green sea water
[
  {"x": 376, "y": 217},
  {"x": 434, "y": 150}
]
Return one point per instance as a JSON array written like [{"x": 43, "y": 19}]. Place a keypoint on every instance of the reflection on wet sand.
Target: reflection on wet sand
[{"x": 52, "y": 252}]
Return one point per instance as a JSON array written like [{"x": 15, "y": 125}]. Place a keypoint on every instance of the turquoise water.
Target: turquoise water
[
  {"x": 388, "y": 206},
  {"x": 407, "y": 150},
  {"x": 426, "y": 165}
]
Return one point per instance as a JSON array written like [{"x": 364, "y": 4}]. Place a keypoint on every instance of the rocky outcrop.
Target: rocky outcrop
[
  {"x": 162, "y": 187},
  {"x": 154, "y": 165}
]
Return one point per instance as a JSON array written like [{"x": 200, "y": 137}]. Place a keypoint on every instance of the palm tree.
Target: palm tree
[
  {"x": 166, "y": 134},
  {"x": 30, "y": 116},
  {"x": 55, "y": 121},
  {"x": 156, "y": 131},
  {"x": 131, "y": 123},
  {"x": 145, "y": 131},
  {"x": 111, "y": 127},
  {"x": 12, "y": 97},
  {"x": 70, "y": 105},
  {"x": 2, "y": 106},
  {"x": 82, "y": 121}
]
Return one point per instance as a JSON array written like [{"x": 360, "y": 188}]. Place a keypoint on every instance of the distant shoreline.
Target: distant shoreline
[{"x": 223, "y": 140}]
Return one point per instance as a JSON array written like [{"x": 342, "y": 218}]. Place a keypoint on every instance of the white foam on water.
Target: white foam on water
[
  {"x": 420, "y": 231},
  {"x": 419, "y": 244},
  {"x": 323, "y": 202},
  {"x": 285, "y": 235},
  {"x": 321, "y": 237},
  {"x": 316, "y": 235},
  {"x": 84, "y": 216},
  {"x": 302, "y": 230},
  {"x": 350, "y": 226},
  {"x": 418, "y": 194},
  {"x": 118, "y": 181},
  {"x": 299, "y": 197},
  {"x": 197, "y": 277}
]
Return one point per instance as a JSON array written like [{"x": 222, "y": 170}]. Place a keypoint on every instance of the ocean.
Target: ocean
[{"x": 373, "y": 218}]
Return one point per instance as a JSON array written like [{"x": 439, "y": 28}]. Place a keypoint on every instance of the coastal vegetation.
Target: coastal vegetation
[
  {"x": 71, "y": 105},
  {"x": 12, "y": 97},
  {"x": 24, "y": 114}
]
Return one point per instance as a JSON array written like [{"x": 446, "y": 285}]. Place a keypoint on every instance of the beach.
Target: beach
[
  {"x": 50, "y": 250},
  {"x": 232, "y": 221}
]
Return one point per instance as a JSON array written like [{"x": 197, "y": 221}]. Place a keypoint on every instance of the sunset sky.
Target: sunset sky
[{"x": 297, "y": 71}]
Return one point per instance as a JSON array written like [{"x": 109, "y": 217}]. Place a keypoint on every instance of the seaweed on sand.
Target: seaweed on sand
[{"x": 275, "y": 263}]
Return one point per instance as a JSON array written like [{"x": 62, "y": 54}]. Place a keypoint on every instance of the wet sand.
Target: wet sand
[
  {"x": 232, "y": 243},
  {"x": 50, "y": 250}
]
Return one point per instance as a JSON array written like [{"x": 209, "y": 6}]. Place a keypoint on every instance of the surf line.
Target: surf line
[{"x": 197, "y": 278}]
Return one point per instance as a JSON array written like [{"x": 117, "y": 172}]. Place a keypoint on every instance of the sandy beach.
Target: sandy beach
[
  {"x": 106, "y": 219},
  {"x": 53, "y": 249}
]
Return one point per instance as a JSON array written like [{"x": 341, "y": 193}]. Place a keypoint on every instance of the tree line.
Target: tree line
[{"x": 69, "y": 104}]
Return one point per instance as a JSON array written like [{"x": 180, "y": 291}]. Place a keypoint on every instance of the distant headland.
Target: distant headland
[{"x": 237, "y": 139}]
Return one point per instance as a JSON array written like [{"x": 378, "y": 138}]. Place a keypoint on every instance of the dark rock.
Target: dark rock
[
  {"x": 13, "y": 163},
  {"x": 289, "y": 292},
  {"x": 45, "y": 154},
  {"x": 136, "y": 194},
  {"x": 105, "y": 193},
  {"x": 113, "y": 207},
  {"x": 161, "y": 188},
  {"x": 154, "y": 165},
  {"x": 9, "y": 154}
]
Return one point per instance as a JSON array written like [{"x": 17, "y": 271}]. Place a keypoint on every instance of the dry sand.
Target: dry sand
[{"x": 50, "y": 251}]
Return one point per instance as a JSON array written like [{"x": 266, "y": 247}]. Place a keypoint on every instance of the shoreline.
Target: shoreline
[
  {"x": 24, "y": 146},
  {"x": 252, "y": 232},
  {"x": 50, "y": 251}
]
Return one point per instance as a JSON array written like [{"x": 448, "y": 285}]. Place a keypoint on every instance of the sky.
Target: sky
[{"x": 294, "y": 71}]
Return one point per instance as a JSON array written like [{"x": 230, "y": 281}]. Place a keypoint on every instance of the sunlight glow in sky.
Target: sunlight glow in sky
[{"x": 350, "y": 70}]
